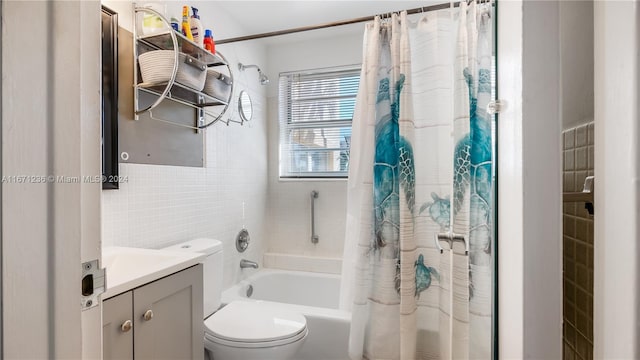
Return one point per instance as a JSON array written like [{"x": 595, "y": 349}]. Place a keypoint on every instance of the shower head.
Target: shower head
[{"x": 264, "y": 80}]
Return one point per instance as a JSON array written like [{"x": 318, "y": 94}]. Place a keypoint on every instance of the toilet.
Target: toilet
[{"x": 242, "y": 330}]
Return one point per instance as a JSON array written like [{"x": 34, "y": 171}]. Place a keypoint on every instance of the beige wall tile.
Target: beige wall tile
[
  {"x": 581, "y": 136},
  {"x": 569, "y": 139},
  {"x": 578, "y": 162}
]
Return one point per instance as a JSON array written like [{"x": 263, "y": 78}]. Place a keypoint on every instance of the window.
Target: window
[{"x": 315, "y": 111}]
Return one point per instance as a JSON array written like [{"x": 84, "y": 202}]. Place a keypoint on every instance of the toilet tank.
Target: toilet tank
[{"x": 212, "y": 269}]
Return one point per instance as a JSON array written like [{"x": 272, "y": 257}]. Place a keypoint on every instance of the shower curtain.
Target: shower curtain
[{"x": 421, "y": 164}]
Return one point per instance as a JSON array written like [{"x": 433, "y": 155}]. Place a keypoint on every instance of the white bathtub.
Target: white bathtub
[{"x": 312, "y": 294}]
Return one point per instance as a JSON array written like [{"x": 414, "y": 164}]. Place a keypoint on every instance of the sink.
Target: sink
[{"x": 128, "y": 268}]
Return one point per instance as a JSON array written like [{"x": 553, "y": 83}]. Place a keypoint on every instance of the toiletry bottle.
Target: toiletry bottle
[
  {"x": 175, "y": 24},
  {"x": 186, "y": 27},
  {"x": 196, "y": 27},
  {"x": 209, "y": 44}
]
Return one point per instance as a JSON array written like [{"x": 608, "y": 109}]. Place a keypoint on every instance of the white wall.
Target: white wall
[
  {"x": 576, "y": 59},
  {"x": 50, "y": 123},
  {"x": 90, "y": 193},
  {"x": 529, "y": 170},
  {"x": 163, "y": 205},
  {"x": 510, "y": 188},
  {"x": 617, "y": 185},
  {"x": 289, "y": 200},
  {"x": 542, "y": 181}
]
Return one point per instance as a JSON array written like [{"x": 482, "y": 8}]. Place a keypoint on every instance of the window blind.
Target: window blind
[{"x": 315, "y": 112}]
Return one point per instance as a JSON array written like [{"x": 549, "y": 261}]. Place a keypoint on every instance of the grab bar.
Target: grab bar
[
  {"x": 586, "y": 196},
  {"x": 314, "y": 237},
  {"x": 577, "y": 197}
]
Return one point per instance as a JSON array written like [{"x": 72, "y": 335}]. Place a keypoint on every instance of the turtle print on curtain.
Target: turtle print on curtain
[
  {"x": 422, "y": 80},
  {"x": 472, "y": 211}
]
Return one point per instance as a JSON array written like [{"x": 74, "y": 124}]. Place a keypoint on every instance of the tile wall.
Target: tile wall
[
  {"x": 578, "y": 145},
  {"x": 163, "y": 205},
  {"x": 289, "y": 202}
]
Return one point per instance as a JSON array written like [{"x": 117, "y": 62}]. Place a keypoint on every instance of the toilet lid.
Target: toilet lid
[{"x": 245, "y": 321}]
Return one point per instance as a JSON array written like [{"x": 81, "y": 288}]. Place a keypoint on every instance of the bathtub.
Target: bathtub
[{"x": 314, "y": 295}]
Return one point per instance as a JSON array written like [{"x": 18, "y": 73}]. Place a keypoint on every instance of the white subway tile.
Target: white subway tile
[{"x": 163, "y": 205}]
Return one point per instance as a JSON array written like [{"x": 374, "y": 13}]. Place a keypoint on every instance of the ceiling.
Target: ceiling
[{"x": 264, "y": 16}]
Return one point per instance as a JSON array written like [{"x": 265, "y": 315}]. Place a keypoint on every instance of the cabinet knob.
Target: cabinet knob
[
  {"x": 126, "y": 326},
  {"x": 148, "y": 315}
]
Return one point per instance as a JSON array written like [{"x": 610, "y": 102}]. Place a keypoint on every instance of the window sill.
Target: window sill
[{"x": 311, "y": 179}]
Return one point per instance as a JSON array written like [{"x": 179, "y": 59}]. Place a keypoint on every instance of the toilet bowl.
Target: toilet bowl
[
  {"x": 248, "y": 330},
  {"x": 242, "y": 330}
]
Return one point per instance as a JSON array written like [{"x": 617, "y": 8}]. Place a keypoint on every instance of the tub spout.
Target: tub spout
[{"x": 248, "y": 264}]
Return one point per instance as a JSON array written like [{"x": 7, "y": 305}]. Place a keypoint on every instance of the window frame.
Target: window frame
[{"x": 284, "y": 172}]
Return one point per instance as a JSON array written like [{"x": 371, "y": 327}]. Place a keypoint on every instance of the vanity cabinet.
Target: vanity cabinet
[
  {"x": 160, "y": 320},
  {"x": 117, "y": 327}
]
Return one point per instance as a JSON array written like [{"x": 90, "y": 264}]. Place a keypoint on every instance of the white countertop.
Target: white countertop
[{"x": 128, "y": 268}]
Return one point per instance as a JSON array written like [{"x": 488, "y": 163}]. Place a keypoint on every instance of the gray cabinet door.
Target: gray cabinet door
[
  {"x": 175, "y": 331},
  {"x": 116, "y": 343}
]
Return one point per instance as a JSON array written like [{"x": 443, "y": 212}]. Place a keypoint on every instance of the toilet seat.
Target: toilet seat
[
  {"x": 247, "y": 324},
  {"x": 249, "y": 345}
]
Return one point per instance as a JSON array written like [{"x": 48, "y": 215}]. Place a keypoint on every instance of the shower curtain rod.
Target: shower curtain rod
[{"x": 337, "y": 23}]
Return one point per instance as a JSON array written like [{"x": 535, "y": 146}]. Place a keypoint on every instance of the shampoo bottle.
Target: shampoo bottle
[
  {"x": 186, "y": 27},
  {"x": 196, "y": 28}
]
